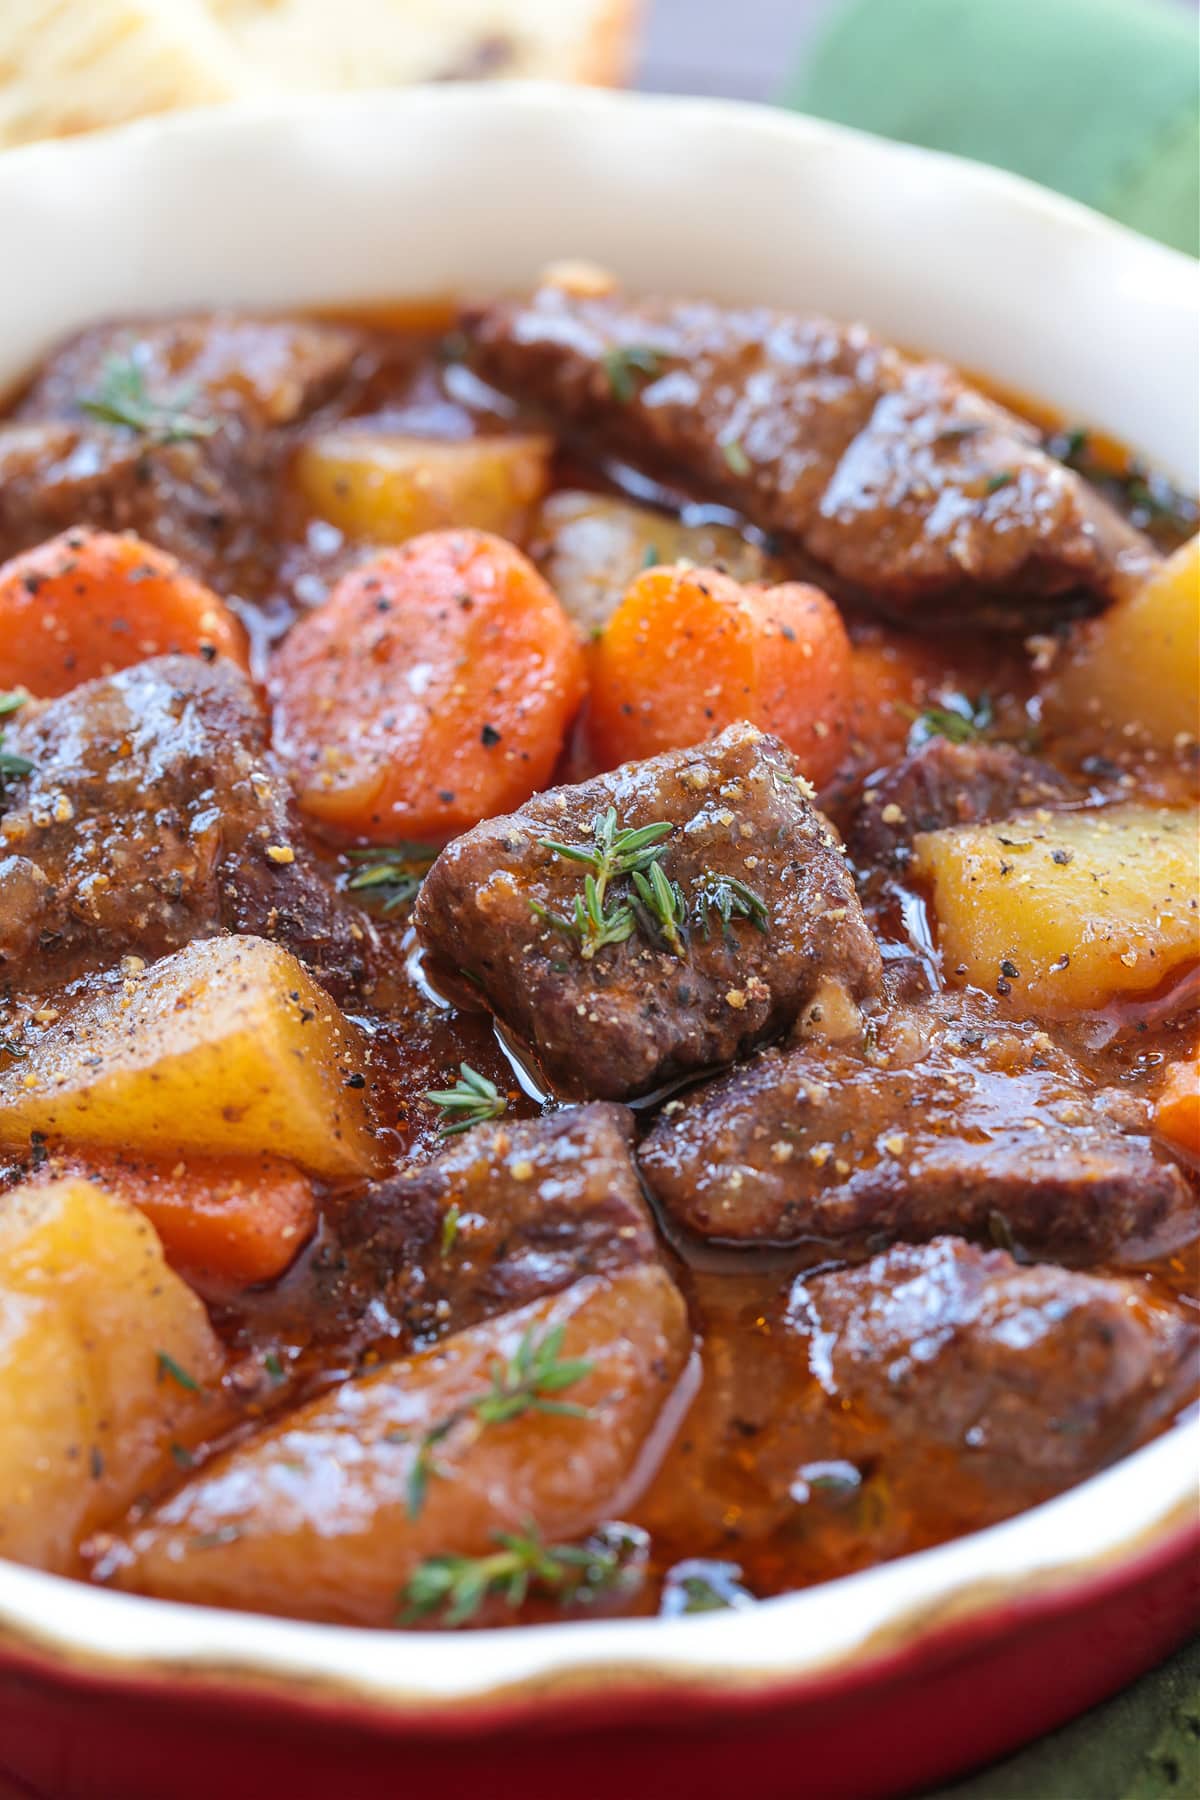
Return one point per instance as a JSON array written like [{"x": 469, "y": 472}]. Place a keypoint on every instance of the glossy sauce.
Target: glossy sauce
[{"x": 741, "y": 1482}]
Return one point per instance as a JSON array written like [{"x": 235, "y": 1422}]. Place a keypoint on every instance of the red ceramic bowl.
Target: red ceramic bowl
[{"x": 874, "y": 1685}]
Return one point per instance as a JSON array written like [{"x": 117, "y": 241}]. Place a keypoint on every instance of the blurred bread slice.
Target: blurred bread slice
[
  {"x": 71, "y": 65},
  {"x": 379, "y": 43}
]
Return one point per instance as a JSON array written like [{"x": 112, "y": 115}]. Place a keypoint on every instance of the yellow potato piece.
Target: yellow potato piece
[
  {"x": 387, "y": 488},
  {"x": 89, "y": 1402},
  {"x": 1139, "y": 665},
  {"x": 1070, "y": 910},
  {"x": 590, "y": 546},
  {"x": 313, "y": 1516},
  {"x": 228, "y": 1045}
]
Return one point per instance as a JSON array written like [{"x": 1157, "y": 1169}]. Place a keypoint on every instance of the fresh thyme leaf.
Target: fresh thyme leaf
[
  {"x": 1001, "y": 479},
  {"x": 650, "y": 556},
  {"x": 393, "y": 876},
  {"x": 453, "y": 1588},
  {"x": 612, "y": 853},
  {"x": 730, "y": 899},
  {"x": 471, "y": 1100},
  {"x": 168, "y": 1366},
  {"x": 958, "y": 719},
  {"x": 527, "y": 1382},
  {"x": 11, "y": 765},
  {"x": 534, "y": 1371},
  {"x": 10, "y": 1047},
  {"x": 663, "y": 906},
  {"x": 273, "y": 1366},
  {"x": 122, "y": 399},
  {"x": 182, "y": 1457},
  {"x": 735, "y": 457},
  {"x": 700, "y": 1586},
  {"x": 1152, "y": 503},
  {"x": 624, "y": 364},
  {"x": 450, "y": 1219}
]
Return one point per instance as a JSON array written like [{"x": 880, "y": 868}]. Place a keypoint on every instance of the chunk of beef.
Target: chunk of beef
[
  {"x": 618, "y": 1018},
  {"x": 207, "y": 498},
  {"x": 941, "y": 1125},
  {"x": 892, "y": 476},
  {"x": 1037, "y": 1370},
  {"x": 155, "y": 814},
  {"x": 503, "y": 1215},
  {"x": 941, "y": 783}
]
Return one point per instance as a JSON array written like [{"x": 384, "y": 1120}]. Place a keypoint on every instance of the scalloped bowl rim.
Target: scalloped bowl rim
[{"x": 1144, "y": 1504}]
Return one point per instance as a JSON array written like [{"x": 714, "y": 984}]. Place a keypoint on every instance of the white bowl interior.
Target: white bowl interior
[{"x": 385, "y": 196}]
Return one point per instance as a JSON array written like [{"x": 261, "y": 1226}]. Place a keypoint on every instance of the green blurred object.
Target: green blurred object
[{"x": 1097, "y": 98}]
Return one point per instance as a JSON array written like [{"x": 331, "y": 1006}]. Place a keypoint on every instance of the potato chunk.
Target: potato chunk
[
  {"x": 106, "y": 1359},
  {"x": 319, "y": 1517},
  {"x": 384, "y": 487},
  {"x": 590, "y": 547},
  {"x": 226, "y": 1046},
  {"x": 1067, "y": 911},
  {"x": 1138, "y": 666}
]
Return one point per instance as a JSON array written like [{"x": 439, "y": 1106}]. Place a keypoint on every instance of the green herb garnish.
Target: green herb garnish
[
  {"x": 168, "y": 1366},
  {"x": 958, "y": 720},
  {"x": 612, "y": 853},
  {"x": 730, "y": 899},
  {"x": 393, "y": 876},
  {"x": 660, "y": 907},
  {"x": 700, "y": 1586},
  {"x": 450, "y": 1219},
  {"x": 527, "y": 1382},
  {"x": 471, "y": 1100},
  {"x": 623, "y": 366},
  {"x": 453, "y": 1588},
  {"x": 1152, "y": 503},
  {"x": 1002, "y": 479},
  {"x": 735, "y": 457},
  {"x": 11, "y": 765},
  {"x": 122, "y": 399}
]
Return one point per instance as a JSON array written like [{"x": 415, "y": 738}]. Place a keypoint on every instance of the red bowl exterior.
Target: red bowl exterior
[{"x": 958, "y": 1695}]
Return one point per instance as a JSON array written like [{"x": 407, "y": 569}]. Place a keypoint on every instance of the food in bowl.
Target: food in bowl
[{"x": 598, "y": 913}]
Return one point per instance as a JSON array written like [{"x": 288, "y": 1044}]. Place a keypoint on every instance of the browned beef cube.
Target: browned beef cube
[
  {"x": 154, "y": 814},
  {"x": 1040, "y": 1372},
  {"x": 958, "y": 1125},
  {"x": 764, "y": 915},
  {"x": 893, "y": 477},
  {"x": 206, "y": 498},
  {"x": 941, "y": 783},
  {"x": 504, "y": 1214}
]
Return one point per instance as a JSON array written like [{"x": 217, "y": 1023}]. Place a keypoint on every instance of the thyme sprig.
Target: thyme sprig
[
  {"x": 613, "y": 852},
  {"x": 529, "y": 1381},
  {"x": 453, "y": 1588},
  {"x": 624, "y": 364},
  {"x": 957, "y": 719},
  {"x": 123, "y": 399},
  {"x": 660, "y": 907},
  {"x": 11, "y": 765},
  {"x": 730, "y": 899},
  {"x": 393, "y": 876},
  {"x": 471, "y": 1101}
]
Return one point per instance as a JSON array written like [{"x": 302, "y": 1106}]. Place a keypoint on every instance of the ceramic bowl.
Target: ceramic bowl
[{"x": 866, "y": 1686}]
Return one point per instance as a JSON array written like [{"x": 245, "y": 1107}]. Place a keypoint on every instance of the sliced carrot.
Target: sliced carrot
[
  {"x": 242, "y": 1219},
  {"x": 1177, "y": 1110},
  {"x": 89, "y": 602},
  {"x": 689, "y": 651},
  {"x": 433, "y": 689}
]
